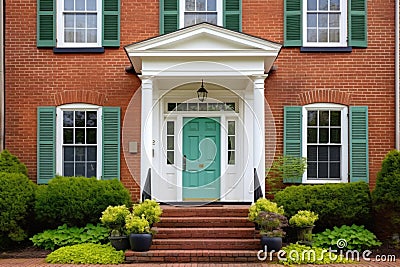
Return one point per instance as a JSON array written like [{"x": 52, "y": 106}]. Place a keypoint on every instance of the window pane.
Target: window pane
[
  {"x": 312, "y": 118},
  {"x": 69, "y": 21},
  {"x": 91, "y": 119},
  {"x": 81, "y": 21},
  {"x": 190, "y": 19},
  {"x": 201, "y": 18},
  {"x": 170, "y": 157},
  {"x": 212, "y": 107},
  {"x": 311, "y": 135},
  {"x": 80, "y": 5},
  {"x": 171, "y": 106},
  {"x": 68, "y": 136},
  {"x": 91, "y": 5},
  {"x": 311, "y": 170},
  {"x": 334, "y": 170},
  {"x": 231, "y": 157},
  {"x": 79, "y": 118},
  {"x": 170, "y": 127},
  {"x": 231, "y": 128},
  {"x": 68, "y": 169},
  {"x": 335, "y": 135},
  {"x": 68, "y": 120},
  {"x": 91, "y": 170},
  {"x": 335, "y": 5},
  {"x": 92, "y": 21},
  {"x": 91, "y": 36},
  {"x": 335, "y": 118},
  {"x": 323, "y": 36},
  {"x": 211, "y": 5},
  {"x": 230, "y": 106},
  {"x": 91, "y": 153},
  {"x": 170, "y": 143},
  {"x": 79, "y": 136},
  {"x": 334, "y": 153},
  {"x": 231, "y": 142},
  {"x": 334, "y": 36},
  {"x": 202, "y": 106},
  {"x": 312, "y": 20},
  {"x": 69, "y": 36},
  {"x": 311, "y": 35},
  {"x": 323, "y": 153},
  {"x": 80, "y": 169},
  {"x": 200, "y": 5},
  {"x": 323, "y": 170},
  {"x": 323, "y": 20},
  {"x": 192, "y": 107},
  {"x": 212, "y": 18},
  {"x": 311, "y": 4},
  {"x": 91, "y": 136},
  {"x": 323, "y": 4},
  {"x": 324, "y": 118},
  {"x": 182, "y": 107},
  {"x": 68, "y": 153},
  {"x": 190, "y": 5},
  {"x": 68, "y": 5},
  {"x": 311, "y": 153},
  {"x": 80, "y": 154},
  {"x": 334, "y": 20},
  {"x": 80, "y": 36},
  {"x": 323, "y": 135}
]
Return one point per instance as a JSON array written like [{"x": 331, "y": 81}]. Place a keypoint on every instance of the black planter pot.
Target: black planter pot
[
  {"x": 140, "y": 242},
  {"x": 120, "y": 242},
  {"x": 272, "y": 243},
  {"x": 304, "y": 234}
]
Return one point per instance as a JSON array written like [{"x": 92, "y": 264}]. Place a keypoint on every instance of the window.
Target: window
[
  {"x": 325, "y": 144},
  {"x": 80, "y": 23},
  {"x": 231, "y": 142},
  {"x": 325, "y": 23},
  {"x": 170, "y": 142},
  {"x": 197, "y": 11}
]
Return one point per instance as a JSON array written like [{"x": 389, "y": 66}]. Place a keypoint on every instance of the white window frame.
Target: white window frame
[
  {"x": 220, "y": 20},
  {"x": 344, "y": 138},
  {"x": 59, "y": 134},
  {"x": 343, "y": 28},
  {"x": 60, "y": 27}
]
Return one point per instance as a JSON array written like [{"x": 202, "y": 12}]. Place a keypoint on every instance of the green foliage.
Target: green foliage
[
  {"x": 67, "y": 236},
  {"x": 335, "y": 204},
  {"x": 357, "y": 238},
  {"x": 17, "y": 196},
  {"x": 301, "y": 254},
  {"x": 271, "y": 223},
  {"x": 284, "y": 167},
  {"x": 386, "y": 195},
  {"x": 137, "y": 225},
  {"x": 150, "y": 209},
  {"x": 86, "y": 254},
  {"x": 263, "y": 204},
  {"x": 11, "y": 164},
  {"x": 77, "y": 201},
  {"x": 114, "y": 219},
  {"x": 303, "y": 218}
]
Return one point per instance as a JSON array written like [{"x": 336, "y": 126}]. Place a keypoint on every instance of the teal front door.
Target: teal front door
[{"x": 201, "y": 159}]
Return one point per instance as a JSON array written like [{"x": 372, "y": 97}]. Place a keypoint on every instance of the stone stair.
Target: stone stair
[{"x": 211, "y": 233}]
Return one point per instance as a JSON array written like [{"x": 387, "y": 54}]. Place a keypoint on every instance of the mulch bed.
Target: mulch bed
[{"x": 26, "y": 252}]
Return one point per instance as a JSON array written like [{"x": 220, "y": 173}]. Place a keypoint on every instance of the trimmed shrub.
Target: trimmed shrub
[
  {"x": 386, "y": 195},
  {"x": 17, "y": 196},
  {"x": 11, "y": 164},
  {"x": 335, "y": 204},
  {"x": 86, "y": 254},
  {"x": 77, "y": 201}
]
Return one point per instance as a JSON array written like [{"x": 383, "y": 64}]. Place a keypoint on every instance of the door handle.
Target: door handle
[{"x": 184, "y": 162}]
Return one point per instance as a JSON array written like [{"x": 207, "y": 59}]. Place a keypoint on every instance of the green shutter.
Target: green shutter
[
  {"x": 111, "y": 143},
  {"x": 111, "y": 23},
  {"x": 292, "y": 136},
  {"x": 359, "y": 144},
  {"x": 357, "y": 23},
  {"x": 169, "y": 16},
  {"x": 46, "y": 21},
  {"x": 46, "y": 144},
  {"x": 293, "y": 23},
  {"x": 233, "y": 15}
]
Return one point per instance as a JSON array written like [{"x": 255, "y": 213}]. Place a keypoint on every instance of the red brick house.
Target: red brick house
[{"x": 110, "y": 89}]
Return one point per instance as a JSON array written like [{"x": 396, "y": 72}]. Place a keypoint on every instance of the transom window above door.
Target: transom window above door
[
  {"x": 227, "y": 106},
  {"x": 197, "y": 11}
]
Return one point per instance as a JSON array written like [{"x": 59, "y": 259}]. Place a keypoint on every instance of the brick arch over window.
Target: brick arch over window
[
  {"x": 75, "y": 96},
  {"x": 325, "y": 96}
]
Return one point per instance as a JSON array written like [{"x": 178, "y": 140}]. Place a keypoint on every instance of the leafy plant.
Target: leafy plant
[
  {"x": 86, "y": 254},
  {"x": 67, "y": 236},
  {"x": 150, "y": 209},
  {"x": 76, "y": 201},
  {"x": 335, "y": 204},
  {"x": 17, "y": 195},
  {"x": 137, "y": 225},
  {"x": 271, "y": 223},
  {"x": 303, "y": 218},
  {"x": 11, "y": 164},
  {"x": 356, "y": 237},
  {"x": 263, "y": 204},
  {"x": 301, "y": 254},
  {"x": 114, "y": 219}
]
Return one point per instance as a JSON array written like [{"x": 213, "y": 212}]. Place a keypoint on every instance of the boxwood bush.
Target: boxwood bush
[
  {"x": 11, "y": 164},
  {"x": 17, "y": 196},
  {"x": 77, "y": 201},
  {"x": 335, "y": 204}
]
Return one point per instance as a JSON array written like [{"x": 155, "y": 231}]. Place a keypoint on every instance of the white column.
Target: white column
[
  {"x": 248, "y": 147},
  {"x": 146, "y": 130},
  {"x": 259, "y": 129}
]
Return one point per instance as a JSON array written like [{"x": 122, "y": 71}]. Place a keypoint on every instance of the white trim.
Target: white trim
[
  {"x": 60, "y": 26},
  {"x": 182, "y": 6},
  {"x": 59, "y": 134},
  {"x": 344, "y": 138},
  {"x": 342, "y": 26}
]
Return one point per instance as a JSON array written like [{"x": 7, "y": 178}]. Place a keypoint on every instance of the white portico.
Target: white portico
[{"x": 203, "y": 150}]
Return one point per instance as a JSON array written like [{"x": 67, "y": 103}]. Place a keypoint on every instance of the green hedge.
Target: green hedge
[
  {"x": 17, "y": 196},
  {"x": 335, "y": 204},
  {"x": 11, "y": 164},
  {"x": 77, "y": 201}
]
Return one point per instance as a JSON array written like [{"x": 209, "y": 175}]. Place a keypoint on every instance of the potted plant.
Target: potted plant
[
  {"x": 114, "y": 219},
  {"x": 263, "y": 204},
  {"x": 304, "y": 221},
  {"x": 271, "y": 229},
  {"x": 140, "y": 235},
  {"x": 150, "y": 209}
]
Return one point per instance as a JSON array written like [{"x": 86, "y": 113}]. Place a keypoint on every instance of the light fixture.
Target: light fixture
[{"x": 202, "y": 92}]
